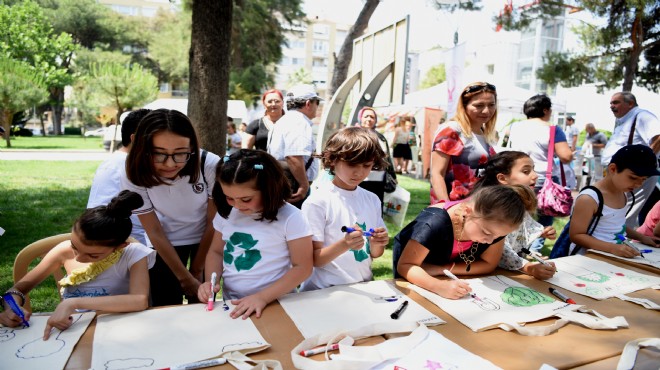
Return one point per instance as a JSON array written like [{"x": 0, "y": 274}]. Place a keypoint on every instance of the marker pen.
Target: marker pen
[
  {"x": 320, "y": 349},
  {"x": 346, "y": 229},
  {"x": 198, "y": 364},
  {"x": 561, "y": 296},
  {"x": 399, "y": 311},
  {"x": 209, "y": 304},
  {"x": 451, "y": 275},
  {"x": 626, "y": 242},
  {"x": 14, "y": 307}
]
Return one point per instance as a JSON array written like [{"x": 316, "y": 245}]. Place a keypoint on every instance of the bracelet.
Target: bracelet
[{"x": 16, "y": 292}]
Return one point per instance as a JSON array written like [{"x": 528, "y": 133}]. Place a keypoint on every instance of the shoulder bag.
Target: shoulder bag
[{"x": 554, "y": 199}]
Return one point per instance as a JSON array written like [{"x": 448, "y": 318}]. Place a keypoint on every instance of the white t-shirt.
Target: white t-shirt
[
  {"x": 180, "y": 206},
  {"x": 646, "y": 128},
  {"x": 571, "y": 132},
  {"x": 610, "y": 225},
  {"x": 107, "y": 184},
  {"x": 328, "y": 209},
  {"x": 293, "y": 136},
  {"x": 532, "y": 137},
  {"x": 234, "y": 139},
  {"x": 116, "y": 279},
  {"x": 256, "y": 253}
]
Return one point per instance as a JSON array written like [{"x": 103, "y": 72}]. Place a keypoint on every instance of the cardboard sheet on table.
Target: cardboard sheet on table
[
  {"x": 649, "y": 259},
  {"x": 25, "y": 348},
  {"x": 160, "y": 338},
  {"x": 598, "y": 279},
  {"x": 501, "y": 300},
  {"x": 346, "y": 307}
]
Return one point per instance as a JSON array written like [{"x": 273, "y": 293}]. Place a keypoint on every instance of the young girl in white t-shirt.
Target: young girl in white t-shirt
[
  {"x": 167, "y": 168},
  {"x": 262, "y": 246},
  {"x": 345, "y": 257},
  {"x": 104, "y": 271}
]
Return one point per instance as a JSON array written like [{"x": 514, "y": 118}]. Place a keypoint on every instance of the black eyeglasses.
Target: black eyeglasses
[
  {"x": 176, "y": 157},
  {"x": 475, "y": 88}
]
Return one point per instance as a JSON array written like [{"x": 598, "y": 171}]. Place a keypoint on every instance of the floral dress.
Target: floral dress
[{"x": 467, "y": 155}]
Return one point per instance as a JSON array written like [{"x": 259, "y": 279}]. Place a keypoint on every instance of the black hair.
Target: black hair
[
  {"x": 108, "y": 226},
  {"x": 244, "y": 166},
  {"x": 130, "y": 124},
  {"x": 501, "y": 162},
  {"x": 534, "y": 107}
]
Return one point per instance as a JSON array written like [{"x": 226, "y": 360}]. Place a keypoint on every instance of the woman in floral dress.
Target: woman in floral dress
[{"x": 464, "y": 144}]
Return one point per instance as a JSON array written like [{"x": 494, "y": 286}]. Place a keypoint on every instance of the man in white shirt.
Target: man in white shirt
[
  {"x": 292, "y": 141},
  {"x": 572, "y": 133},
  {"x": 106, "y": 184},
  {"x": 633, "y": 125}
]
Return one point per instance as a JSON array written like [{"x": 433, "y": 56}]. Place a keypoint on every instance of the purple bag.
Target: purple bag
[{"x": 554, "y": 199}]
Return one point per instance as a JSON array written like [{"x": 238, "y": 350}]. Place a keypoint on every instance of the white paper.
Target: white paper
[
  {"x": 501, "y": 300},
  {"x": 160, "y": 338},
  {"x": 650, "y": 259},
  {"x": 598, "y": 279},
  {"x": 346, "y": 307},
  {"x": 26, "y": 349}
]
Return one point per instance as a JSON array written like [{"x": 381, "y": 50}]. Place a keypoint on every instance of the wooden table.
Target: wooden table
[{"x": 572, "y": 346}]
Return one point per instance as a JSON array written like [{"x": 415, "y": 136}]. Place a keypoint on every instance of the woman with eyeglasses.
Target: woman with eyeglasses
[
  {"x": 257, "y": 130},
  {"x": 464, "y": 144},
  {"x": 532, "y": 136},
  {"x": 175, "y": 179}
]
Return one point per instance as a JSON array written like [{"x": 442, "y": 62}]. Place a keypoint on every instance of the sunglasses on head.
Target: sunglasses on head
[{"x": 475, "y": 88}]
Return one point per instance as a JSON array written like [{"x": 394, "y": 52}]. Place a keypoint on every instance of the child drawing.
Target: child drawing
[
  {"x": 262, "y": 246},
  {"x": 345, "y": 257}
]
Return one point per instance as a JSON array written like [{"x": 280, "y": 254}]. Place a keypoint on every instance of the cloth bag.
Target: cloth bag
[
  {"x": 554, "y": 199},
  {"x": 395, "y": 205}
]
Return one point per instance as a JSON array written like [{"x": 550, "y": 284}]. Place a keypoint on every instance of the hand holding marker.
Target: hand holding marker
[
  {"x": 346, "y": 229},
  {"x": 451, "y": 275},
  {"x": 626, "y": 242},
  {"x": 538, "y": 257},
  {"x": 209, "y": 304},
  {"x": 14, "y": 307}
]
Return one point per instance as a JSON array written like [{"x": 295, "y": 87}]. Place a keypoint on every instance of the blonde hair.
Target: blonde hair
[{"x": 461, "y": 114}]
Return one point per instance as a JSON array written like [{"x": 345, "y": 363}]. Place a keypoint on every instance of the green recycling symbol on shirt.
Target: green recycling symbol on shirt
[
  {"x": 361, "y": 255},
  {"x": 249, "y": 258}
]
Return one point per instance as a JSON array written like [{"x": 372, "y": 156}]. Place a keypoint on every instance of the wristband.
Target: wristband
[{"x": 16, "y": 292}]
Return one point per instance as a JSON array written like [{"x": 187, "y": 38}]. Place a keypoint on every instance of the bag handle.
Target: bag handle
[{"x": 551, "y": 156}]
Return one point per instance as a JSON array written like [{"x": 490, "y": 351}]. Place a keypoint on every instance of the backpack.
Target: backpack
[{"x": 563, "y": 243}]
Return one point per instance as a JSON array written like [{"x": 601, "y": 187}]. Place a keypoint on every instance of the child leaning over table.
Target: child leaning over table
[
  {"x": 630, "y": 166},
  {"x": 345, "y": 257},
  {"x": 262, "y": 246},
  {"x": 104, "y": 271}
]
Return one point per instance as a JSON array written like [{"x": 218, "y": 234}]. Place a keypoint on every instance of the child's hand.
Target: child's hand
[
  {"x": 10, "y": 319},
  {"x": 61, "y": 318},
  {"x": 454, "y": 289},
  {"x": 549, "y": 233},
  {"x": 541, "y": 271},
  {"x": 246, "y": 306},
  {"x": 204, "y": 291},
  {"x": 379, "y": 237},
  {"x": 623, "y": 250},
  {"x": 354, "y": 240},
  {"x": 650, "y": 240}
]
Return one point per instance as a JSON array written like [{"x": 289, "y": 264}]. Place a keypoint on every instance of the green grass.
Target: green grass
[
  {"x": 73, "y": 142},
  {"x": 40, "y": 198}
]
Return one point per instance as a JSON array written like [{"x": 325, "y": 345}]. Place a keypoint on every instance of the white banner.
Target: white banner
[{"x": 454, "y": 68}]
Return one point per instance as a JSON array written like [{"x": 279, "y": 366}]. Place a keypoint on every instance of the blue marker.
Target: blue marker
[
  {"x": 14, "y": 307},
  {"x": 346, "y": 229},
  {"x": 646, "y": 251}
]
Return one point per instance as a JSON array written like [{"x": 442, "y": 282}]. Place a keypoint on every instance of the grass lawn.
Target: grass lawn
[{"x": 54, "y": 142}]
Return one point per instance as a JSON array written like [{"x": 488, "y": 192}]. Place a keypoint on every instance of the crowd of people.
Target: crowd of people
[{"x": 164, "y": 215}]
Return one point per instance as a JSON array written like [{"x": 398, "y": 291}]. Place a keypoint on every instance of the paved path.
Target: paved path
[{"x": 52, "y": 155}]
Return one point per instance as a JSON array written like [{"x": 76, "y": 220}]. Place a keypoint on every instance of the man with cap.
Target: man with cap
[
  {"x": 106, "y": 184},
  {"x": 292, "y": 141},
  {"x": 633, "y": 125}
]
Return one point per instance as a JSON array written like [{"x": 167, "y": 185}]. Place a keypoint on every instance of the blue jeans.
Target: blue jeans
[{"x": 544, "y": 220}]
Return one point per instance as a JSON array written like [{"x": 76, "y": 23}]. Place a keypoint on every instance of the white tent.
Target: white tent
[{"x": 236, "y": 109}]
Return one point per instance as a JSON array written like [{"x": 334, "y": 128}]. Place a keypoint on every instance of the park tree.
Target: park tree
[
  {"x": 28, "y": 36},
  {"x": 434, "y": 76},
  {"x": 21, "y": 87},
  {"x": 343, "y": 59},
  {"x": 621, "y": 51},
  {"x": 299, "y": 76},
  {"x": 169, "y": 44}
]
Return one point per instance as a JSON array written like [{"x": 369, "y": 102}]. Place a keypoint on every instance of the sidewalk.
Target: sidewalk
[{"x": 52, "y": 155}]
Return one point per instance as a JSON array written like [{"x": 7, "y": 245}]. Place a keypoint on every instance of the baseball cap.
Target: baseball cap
[
  {"x": 638, "y": 158},
  {"x": 303, "y": 92}
]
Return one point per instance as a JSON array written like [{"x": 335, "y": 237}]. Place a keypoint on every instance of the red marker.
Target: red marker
[
  {"x": 317, "y": 350},
  {"x": 561, "y": 296}
]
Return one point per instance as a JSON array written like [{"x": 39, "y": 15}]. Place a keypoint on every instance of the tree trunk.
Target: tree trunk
[
  {"x": 210, "y": 50},
  {"x": 632, "y": 64},
  {"x": 343, "y": 60},
  {"x": 5, "y": 121},
  {"x": 57, "y": 106}
]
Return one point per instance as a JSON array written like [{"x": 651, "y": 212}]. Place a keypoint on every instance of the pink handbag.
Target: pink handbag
[{"x": 554, "y": 199}]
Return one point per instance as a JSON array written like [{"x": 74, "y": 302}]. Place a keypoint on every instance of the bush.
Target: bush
[{"x": 72, "y": 131}]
